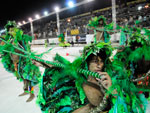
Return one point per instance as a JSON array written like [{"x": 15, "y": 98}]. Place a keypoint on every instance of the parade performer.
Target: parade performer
[
  {"x": 22, "y": 68},
  {"x": 135, "y": 57},
  {"x": 46, "y": 43},
  {"x": 62, "y": 41},
  {"x": 64, "y": 90},
  {"x": 98, "y": 24}
]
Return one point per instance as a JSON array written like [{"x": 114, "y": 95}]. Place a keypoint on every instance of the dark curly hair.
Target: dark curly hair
[{"x": 102, "y": 54}]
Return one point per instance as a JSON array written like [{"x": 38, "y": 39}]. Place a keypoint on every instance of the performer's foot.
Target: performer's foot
[
  {"x": 23, "y": 94},
  {"x": 31, "y": 97}
]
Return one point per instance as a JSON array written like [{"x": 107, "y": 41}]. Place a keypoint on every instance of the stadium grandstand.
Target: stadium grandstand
[{"x": 76, "y": 25}]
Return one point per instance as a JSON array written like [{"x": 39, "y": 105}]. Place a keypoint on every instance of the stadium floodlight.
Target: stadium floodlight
[
  {"x": 37, "y": 16},
  {"x": 56, "y": 9},
  {"x": 31, "y": 25},
  {"x": 19, "y": 24},
  {"x": 23, "y": 22},
  {"x": 69, "y": 20},
  {"x": 140, "y": 7},
  {"x": 30, "y": 19},
  {"x": 57, "y": 16},
  {"x": 46, "y": 13},
  {"x": 71, "y": 4}
]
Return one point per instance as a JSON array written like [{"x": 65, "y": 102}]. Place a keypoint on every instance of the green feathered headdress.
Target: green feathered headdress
[
  {"x": 94, "y": 22},
  {"x": 10, "y": 24},
  {"x": 96, "y": 48},
  {"x": 141, "y": 45},
  {"x": 137, "y": 39}
]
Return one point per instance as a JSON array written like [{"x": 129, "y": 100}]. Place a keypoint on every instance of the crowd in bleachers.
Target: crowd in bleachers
[{"x": 126, "y": 15}]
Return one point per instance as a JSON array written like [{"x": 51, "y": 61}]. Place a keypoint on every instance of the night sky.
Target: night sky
[{"x": 20, "y": 10}]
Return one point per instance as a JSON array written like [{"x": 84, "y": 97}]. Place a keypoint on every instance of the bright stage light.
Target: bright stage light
[
  {"x": 140, "y": 7},
  {"x": 46, "y": 13},
  {"x": 57, "y": 9},
  {"x": 37, "y": 16},
  {"x": 23, "y": 22},
  {"x": 68, "y": 20},
  {"x": 19, "y": 24},
  {"x": 30, "y": 19},
  {"x": 71, "y": 4}
]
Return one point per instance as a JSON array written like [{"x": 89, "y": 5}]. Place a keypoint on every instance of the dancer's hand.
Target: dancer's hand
[{"x": 105, "y": 80}]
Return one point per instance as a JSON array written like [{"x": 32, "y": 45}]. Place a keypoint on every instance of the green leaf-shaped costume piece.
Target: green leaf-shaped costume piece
[
  {"x": 96, "y": 48},
  {"x": 60, "y": 87}
]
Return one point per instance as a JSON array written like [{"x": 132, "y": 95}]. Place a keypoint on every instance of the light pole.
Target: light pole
[
  {"x": 31, "y": 25},
  {"x": 58, "y": 23},
  {"x": 114, "y": 12},
  {"x": 114, "y": 16},
  {"x": 58, "y": 19}
]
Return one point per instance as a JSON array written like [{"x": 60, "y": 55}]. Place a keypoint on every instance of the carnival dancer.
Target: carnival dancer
[
  {"x": 61, "y": 81},
  {"x": 62, "y": 41},
  {"x": 22, "y": 68},
  {"x": 65, "y": 90},
  {"x": 136, "y": 58},
  {"x": 98, "y": 24}
]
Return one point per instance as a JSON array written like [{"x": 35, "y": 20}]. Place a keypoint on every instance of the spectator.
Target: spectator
[{"x": 77, "y": 39}]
